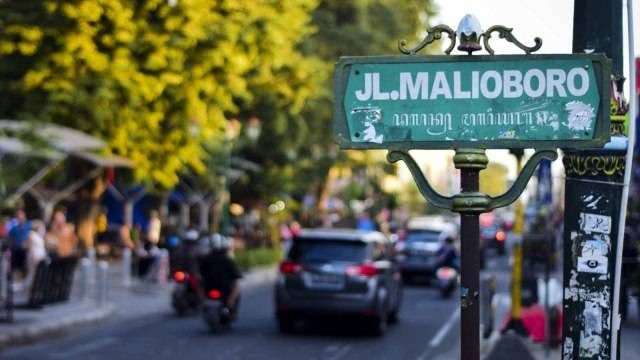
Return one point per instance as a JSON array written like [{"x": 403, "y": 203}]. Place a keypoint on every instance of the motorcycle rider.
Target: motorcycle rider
[
  {"x": 447, "y": 255},
  {"x": 186, "y": 295},
  {"x": 187, "y": 253},
  {"x": 219, "y": 271}
]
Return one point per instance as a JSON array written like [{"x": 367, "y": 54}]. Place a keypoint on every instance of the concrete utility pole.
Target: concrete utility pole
[{"x": 594, "y": 184}]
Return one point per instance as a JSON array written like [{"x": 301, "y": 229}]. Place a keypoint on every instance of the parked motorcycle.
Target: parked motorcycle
[
  {"x": 446, "y": 280},
  {"x": 215, "y": 312},
  {"x": 185, "y": 297}
]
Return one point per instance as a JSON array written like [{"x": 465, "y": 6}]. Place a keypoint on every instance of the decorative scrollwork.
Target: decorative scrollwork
[
  {"x": 471, "y": 202},
  {"x": 505, "y": 33},
  {"x": 617, "y": 125},
  {"x": 608, "y": 165},
  {"x": 433, "y": 34},
  {"x": 469, "y": 33}
]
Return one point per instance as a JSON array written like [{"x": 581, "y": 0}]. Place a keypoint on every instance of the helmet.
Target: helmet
[
  {"x": 191, "y": 235},
  {"x": 218, "y": 242}
]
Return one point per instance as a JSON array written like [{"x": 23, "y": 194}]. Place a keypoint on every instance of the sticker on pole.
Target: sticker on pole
[{"x": 508, "y": 101}]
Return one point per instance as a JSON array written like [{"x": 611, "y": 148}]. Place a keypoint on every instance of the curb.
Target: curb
[
  {"x": 20, "y": 335},
  {"x": 35, "y": 332}
]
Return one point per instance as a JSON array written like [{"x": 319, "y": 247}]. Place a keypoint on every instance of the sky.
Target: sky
[{"x": 551, "y": 20}]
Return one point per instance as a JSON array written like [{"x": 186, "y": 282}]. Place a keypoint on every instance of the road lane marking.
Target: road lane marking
[
  {"x": 440, "y": 335},
  {"x": 338, "y": 351},
  {"x": 79, "y": 349}
]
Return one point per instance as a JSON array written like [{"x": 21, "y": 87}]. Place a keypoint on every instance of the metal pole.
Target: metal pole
[
  {"x": 515, "y": 323},
  {"x": 470, "y": 272},
  {"x": 9, "y": 301},
  {"x": 103, "y": 270},
  {"x": 470, "y": 162},
  {"x": 547, "y": 310},
  {"x": 126, "y": 267},
  {"x": 91, "y": 255},
  {"x": 163, "y": 268},
  {"x": 85, "y": 282},
  {"x": 516, "y": 278},
  {"x": 631, "y": 135}
]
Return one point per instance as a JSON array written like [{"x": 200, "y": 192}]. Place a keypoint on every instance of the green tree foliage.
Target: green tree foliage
[
  {"x": 297, "y": 148},
  {"x": 157, "y": 79}
]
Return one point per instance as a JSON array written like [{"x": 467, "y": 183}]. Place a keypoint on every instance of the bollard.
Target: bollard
[
  {"x": 85, "y": 282},
  {"x": 163, "y": 269},
  {"x": 488, "y": 289},
  {"x": 103, "y": 270},
  {"x": 91, "y": 255},
  {"x": 3, "y": 277},
  {"x": 126, "y": 267},
  {"x": 8, "y": 284}
]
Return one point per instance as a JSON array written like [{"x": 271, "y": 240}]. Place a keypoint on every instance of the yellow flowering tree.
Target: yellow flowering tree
[{"x": 156, "y": 79}]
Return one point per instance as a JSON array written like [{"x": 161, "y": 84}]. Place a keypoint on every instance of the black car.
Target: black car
[
  {"x": 493, "y": 237},
  {"x": 417, "y": 254},
  {"x": 338, "y": 272}
]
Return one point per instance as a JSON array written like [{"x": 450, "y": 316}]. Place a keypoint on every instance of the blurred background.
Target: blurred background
[{"x": 126, "y": 124}]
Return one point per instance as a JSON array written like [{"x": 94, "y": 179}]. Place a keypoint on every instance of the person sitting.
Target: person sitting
[{"x": 61, "y": 236}]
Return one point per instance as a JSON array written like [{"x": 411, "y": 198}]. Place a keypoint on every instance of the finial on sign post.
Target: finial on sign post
[{"x": 470, "y": 32}]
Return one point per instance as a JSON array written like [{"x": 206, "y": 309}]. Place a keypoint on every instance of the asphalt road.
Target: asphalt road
[{"x": 427, "y": 329}]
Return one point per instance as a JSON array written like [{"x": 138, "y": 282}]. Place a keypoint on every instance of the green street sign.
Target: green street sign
[{"x": 493, "y": 102}]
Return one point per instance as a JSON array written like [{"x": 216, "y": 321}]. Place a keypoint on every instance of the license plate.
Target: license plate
[{"x": 324, "y": 281}]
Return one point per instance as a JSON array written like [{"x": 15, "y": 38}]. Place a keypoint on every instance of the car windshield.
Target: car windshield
[
  {"x": 423, "y": 236},
  {"x": 305, "y": 250}
]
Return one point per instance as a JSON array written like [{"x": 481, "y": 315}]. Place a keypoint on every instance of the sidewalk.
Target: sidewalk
[
  {"x": 124, "y": 303},
  {"x": 510, "y": 347}
]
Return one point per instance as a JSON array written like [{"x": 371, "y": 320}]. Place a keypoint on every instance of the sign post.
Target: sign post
[{"x": 469, "y": 104}]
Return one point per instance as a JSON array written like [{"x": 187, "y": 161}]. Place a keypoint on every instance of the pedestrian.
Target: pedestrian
[
  {"x": 364, "y": 222},
  {"x": 154, "y": 228},
  {"x": 18, "y": 242},
  {"x": 36, "y": 250},
  {"x": 61, "y": 235}
]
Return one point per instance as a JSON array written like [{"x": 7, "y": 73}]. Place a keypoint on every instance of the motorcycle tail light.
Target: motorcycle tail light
[
  {"x": 501, "y": 236},
  {"x": 366, "y": 270},
  {"x": 290, "y": 267},
  {"x": 179, "y": 276},
  {"x": 445, "y": 273},
  {"x": 214, "y": 294}
]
